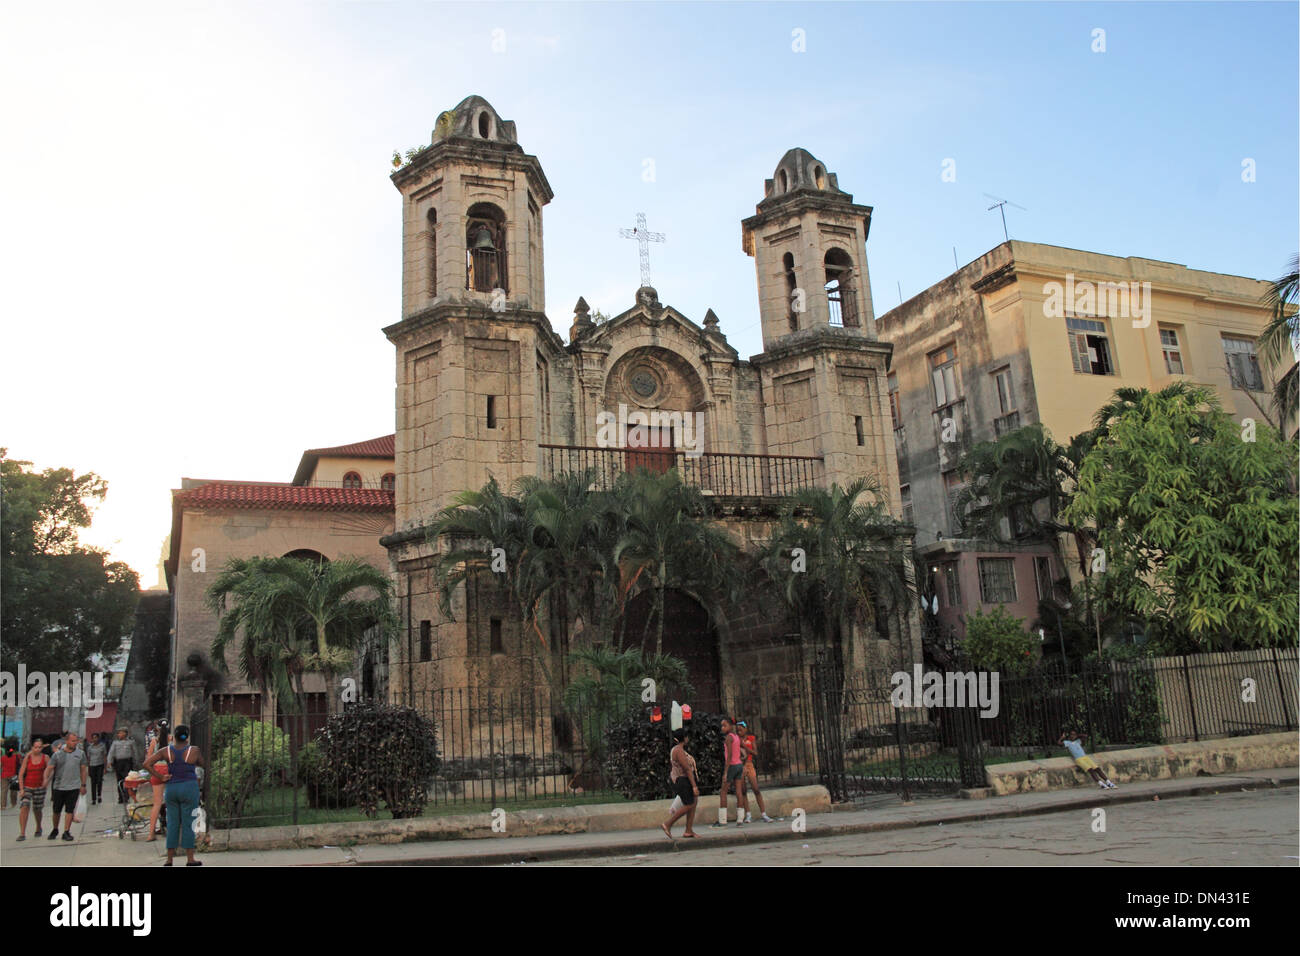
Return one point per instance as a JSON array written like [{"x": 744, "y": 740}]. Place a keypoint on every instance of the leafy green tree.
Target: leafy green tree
[
  {"x": 63, "y": 602},
  {"x": 668, "y": 542},
  {"x": 1195, "y": 520},
  {"x": 998, "y": 642},
  {"x": 607, "y": 685},
  {"x": 1278, "y": 341},
  {"x": 292, "y": 616},
  {"x": 851, "y": 564}
]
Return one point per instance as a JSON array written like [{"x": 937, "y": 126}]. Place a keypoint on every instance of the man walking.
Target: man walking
[
  {"x": 96, "y": 756},
  {"x": 122, "y": 756},
  {"x": 68, "y": 770}
]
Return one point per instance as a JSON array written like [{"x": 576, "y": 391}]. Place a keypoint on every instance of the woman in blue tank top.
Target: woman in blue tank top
[{"x": 182, "y": 795}]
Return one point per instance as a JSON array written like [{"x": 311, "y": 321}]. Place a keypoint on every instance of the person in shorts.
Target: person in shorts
[
  {"x": 749, "y": 747},
  {"x": 32, "y": 777},
  {"x": 685, "y": 785},
  {"x": 67, "y": 770},
  {"x": 732, "y": 776},
  {"x": 1075, "y": 746}
]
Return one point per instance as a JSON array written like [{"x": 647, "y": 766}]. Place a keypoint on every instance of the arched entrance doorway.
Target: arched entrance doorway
[{"x": 688, "y": 636}]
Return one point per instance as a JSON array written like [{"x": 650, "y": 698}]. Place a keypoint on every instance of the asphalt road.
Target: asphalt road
[{"x": 1258, "y": 829}]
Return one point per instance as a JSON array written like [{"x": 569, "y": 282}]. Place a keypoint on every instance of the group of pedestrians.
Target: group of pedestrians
[
  {"x": 68, "y": 769},
  {"x": 739, "y": 747}
]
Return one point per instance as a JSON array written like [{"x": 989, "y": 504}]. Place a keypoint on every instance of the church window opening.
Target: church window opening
[
  {"x": 491, "y": 411},
  {"x": 783, "y": 179},
  {"x": 497, "y": 644},
  {"x": 857, "y": 427},
  {"x": 484, "y": 124},
  {"x": 351, "y": 480},
  {"x": 791, "y": 289},
  {"x": 819, "y": 177},
  {"x": 895, "y": 408},
  {"x": 426, "y": 641},
  {"x": 485, "y": 249},
  {"x": 840, "y": 295},
  {"x": 433, "y": 252},
  {"x": 388, "y": 482}
]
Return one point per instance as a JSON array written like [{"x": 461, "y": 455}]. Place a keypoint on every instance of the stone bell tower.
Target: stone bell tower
[
  {"x": 823, "y": 368},
  {"x": 475, "y": 353}
]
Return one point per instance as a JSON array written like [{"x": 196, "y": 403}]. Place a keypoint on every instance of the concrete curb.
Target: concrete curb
[{"x": 757, "y": 834}]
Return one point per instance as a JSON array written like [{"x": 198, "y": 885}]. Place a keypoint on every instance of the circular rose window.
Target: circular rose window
[{"x": 643, "y": 383}]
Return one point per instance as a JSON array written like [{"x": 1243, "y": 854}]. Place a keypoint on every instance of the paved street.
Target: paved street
[{"x": 1225, "y": 829}]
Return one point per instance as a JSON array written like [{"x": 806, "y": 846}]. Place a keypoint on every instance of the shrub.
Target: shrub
[
  {"x": 375, "y": 752},
  {"x": 253, "y": 758},
  {"x": 998, "y": 642},
  {"x": 637, "y": 755},
  {"x": 319, "y": 780},
  {"x": 225, "y": 728}
]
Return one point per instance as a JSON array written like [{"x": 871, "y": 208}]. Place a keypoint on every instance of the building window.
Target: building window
[
  {"x": 484, "y": 124},
  {"x": 426, "y": 641},
  {"x": 895, "y": 409},
  {"x": 905, "y": 498},
  {"x": 857, "y": 426},
  {"x": 485, "y": 249},
  {"x": 952, "y": 585},
  {"x": 997, "y": 580},
  {"x": 1243, "y": 365},
  {"x": 351, "y": 480},
  {"x": 433, "y": 252},
  {"x": 783, "y": 181},
  {"x": 1089, "y": 346},
  {"x": 388, "y": 482},
  {"x": 953, "y": 489},
  {"x": 841, "y": 297},
  {"x": 943, "y": 372},
  {"x": 1172, "y": 350},
  {"x": 1006, "y": 391},
  {"x": 1043, "y": 576},
  {"x": 497, "y": 645},
  {"x": 491, "y": 411},
  {"x": 791, "y": 290}
]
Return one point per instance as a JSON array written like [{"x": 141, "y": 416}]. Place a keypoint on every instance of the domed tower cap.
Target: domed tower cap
[
  {"x": 473, "y": 118},
  {"x": 801, "y": 170}
]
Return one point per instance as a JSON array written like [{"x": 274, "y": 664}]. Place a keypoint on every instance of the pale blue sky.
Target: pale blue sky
[{"x": 201, "y": 243}]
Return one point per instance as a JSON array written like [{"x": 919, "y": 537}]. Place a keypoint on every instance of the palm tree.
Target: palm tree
[
  {"x": 850, "y": 563},
  {"x": 1277, "y": 342},
  {"x": 668, "y": 542},
  {"x": 297, "y": 616}
]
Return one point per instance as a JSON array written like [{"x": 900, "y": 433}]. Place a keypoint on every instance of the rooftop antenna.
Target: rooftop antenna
[{"x": 1000, "y": 205}]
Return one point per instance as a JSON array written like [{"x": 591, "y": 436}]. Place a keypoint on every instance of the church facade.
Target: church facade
[{"x": 486, "y": 389}]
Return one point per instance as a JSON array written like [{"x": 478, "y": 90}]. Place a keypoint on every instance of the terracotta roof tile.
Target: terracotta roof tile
[
  {"x": 234, "y": 494},
  {"x": 382, "y": 447}
]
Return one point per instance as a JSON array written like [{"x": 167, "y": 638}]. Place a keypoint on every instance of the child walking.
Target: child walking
[
  {"x": 1075, "y": 746},
  {"x": 749, "y": 746}
]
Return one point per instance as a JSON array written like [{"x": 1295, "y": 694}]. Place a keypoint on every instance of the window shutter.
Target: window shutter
[
  {"x": 940, "y": 397},
  {"x": 1075, "y": 356}
]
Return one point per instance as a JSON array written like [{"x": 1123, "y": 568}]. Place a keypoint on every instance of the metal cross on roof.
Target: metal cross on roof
[{"x": 644, "y": 237}]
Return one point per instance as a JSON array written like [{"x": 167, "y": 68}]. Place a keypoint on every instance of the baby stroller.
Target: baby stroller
[{"x": 138, "y": 807}]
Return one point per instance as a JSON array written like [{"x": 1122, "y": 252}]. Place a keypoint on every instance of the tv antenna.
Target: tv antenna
[{"x": 1000, "y": 205}]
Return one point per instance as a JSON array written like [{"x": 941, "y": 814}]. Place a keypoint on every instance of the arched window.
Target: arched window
[
  {"x": 433, "y": 252},
  {"x": 484, "y": 124},
  {"x": 791, "y": 290},
  {"x": 351, "y": 480},
  {"x": 485, "y": 249},
  {"x": 819, "y": 177},
  {"x": 307, "y": 554},
  {"x": 783, "y": 181},
  {"x": 840, "y": 294},
  {"x": 388, "y": 482}
]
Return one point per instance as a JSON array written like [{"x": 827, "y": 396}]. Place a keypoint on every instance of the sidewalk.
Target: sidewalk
[{"x": 886, "y": 812}]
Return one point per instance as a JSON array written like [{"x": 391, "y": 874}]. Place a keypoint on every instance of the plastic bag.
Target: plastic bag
[{"x": 79, "y": 811}]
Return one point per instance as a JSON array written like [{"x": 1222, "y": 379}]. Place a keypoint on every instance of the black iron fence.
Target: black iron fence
[{"x": 722, "y": 474}]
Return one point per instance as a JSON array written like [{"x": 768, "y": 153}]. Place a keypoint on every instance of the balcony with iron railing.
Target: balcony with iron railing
[
  {"x": 842, "y": 301},
  {"x": 1007, "y": 423},
  {"x": 723, "y": 474}
]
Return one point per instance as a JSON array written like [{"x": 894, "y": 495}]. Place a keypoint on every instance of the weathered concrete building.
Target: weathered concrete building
[
  {"x": 1034, "y": 333},
  {"x": 486, "y": 389}
]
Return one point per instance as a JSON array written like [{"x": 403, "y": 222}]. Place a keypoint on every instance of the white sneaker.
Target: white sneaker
[
  {"x": 749, "y": 818},
  {"x": 1102, "y": 786},
  {"x": 767, "y": 819}
]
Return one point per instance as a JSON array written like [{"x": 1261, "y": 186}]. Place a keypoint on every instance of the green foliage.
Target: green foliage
[
  {"x": 292, "y": 616},
  {"x": 1276, "y": 343},
  {"x": 998, "y": 642},
  {"x": 256, "y": 758},
  {"x": 319, "y": 781},
  {"x": 637, "y": 761},
  {"x": 1197, "y": 524},
  {"x": 376, "y": 753},
  {"x": 226, "y": 728},
  {"x": 608, "y": 686},
  {"x": 851, "y": 568},
  {"x": 62, "y": 602}
]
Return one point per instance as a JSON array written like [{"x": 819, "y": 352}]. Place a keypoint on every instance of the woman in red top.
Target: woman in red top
[{"x": 32, "y": 777}]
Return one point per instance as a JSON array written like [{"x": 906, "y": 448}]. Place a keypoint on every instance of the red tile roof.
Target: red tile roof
[
  {"x": 236, "y": 494},
  {"x": 382, "y": 447}
]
